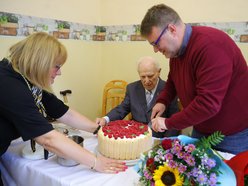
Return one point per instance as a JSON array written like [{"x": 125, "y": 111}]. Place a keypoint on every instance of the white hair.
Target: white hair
[{"x": 148, "y": 59}]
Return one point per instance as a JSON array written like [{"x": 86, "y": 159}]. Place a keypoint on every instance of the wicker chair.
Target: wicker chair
[{"x": 113, "y": 94}]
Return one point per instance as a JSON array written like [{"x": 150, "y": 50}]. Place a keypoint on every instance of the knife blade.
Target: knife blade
[
  {"x": 32, "y": 143},
  {"x": 45, "y": 154},
  {"x": 97, "y": 129}
]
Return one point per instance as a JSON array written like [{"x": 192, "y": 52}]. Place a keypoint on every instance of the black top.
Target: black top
[{"x": 19, "y": 115}]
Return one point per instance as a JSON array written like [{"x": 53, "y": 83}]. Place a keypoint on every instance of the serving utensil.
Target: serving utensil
[{"x": 32, "y": 143}]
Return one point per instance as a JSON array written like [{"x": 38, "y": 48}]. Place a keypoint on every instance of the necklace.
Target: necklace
[{"x": 37, "y": 95}]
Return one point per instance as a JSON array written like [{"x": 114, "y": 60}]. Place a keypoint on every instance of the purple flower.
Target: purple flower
[
  {"x": 212, "y": 180},
  {"x": 211, "y": 163},
  {"x": 195, "y": 172},
  {"x": 202, "y": 178},
  {"x": 213, "y": 175}
]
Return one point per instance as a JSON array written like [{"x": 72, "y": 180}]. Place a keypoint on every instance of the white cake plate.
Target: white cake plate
[
  {"x": 131, "y": 162},
  {"x": 128, "y": 162}
]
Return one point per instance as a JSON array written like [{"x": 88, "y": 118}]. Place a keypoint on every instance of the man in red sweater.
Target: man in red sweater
[{"x": 207, "y": 72}]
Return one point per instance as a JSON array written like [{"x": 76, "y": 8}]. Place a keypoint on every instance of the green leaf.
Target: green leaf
[{"x": 212, "y": 140}]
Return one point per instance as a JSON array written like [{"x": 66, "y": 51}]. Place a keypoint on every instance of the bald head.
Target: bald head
[
  {"x": 149, "y": 72},
  {"x": 148, "y": 61}
]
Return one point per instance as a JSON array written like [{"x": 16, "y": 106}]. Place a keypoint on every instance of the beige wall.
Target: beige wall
[
  {"x": 91, "y": 64},
  {"x": 82, "y": 74},
  {"x": 120, "y": 60},
  {"x": 81, "y": 11},
  {"x": 116, "y": 12}
]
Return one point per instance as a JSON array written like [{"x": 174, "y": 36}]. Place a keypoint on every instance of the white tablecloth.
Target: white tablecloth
[{"x": 18, "y": 171}]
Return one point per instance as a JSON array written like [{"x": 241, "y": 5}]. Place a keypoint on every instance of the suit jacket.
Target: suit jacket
[{"x": 135, "y": 102}]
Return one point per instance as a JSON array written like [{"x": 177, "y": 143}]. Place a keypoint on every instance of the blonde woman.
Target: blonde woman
[{"x": 27, "y": 99}]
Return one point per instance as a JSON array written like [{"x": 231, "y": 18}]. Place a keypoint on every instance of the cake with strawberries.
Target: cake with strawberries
[{"x": 124, "y": 140}]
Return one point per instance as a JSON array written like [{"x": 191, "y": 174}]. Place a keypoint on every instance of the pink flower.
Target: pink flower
[
  {"x": 168, "y": 156},
  {"x": 190, "y": 148}
]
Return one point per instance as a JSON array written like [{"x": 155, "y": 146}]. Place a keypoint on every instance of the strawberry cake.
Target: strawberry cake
[{"x": 124, "y": 140}]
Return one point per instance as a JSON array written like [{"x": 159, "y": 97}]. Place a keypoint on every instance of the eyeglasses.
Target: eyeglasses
[
  {"x": 57, "y": 67},
  {"x": 156, "y": 43}
]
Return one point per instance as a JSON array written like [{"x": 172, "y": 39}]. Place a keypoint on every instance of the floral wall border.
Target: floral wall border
[{"x": 22, "y": 25}]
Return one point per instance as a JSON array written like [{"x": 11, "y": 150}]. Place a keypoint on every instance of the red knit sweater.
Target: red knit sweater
[{"x": 211, "y": 80}]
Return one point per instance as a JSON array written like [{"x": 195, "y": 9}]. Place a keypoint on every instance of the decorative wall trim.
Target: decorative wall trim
[{"x": 22, "y": 25}]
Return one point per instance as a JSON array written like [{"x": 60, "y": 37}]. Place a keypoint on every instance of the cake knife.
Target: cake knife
[
  {"x": 97, "y": 129},
  {"x": 32, "y": 143},
  {"x": 46, "y": 153}
]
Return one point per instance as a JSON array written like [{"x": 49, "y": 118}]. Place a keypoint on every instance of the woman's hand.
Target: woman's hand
[
  {"x": 62, "y": 146},
  {"x": 107, "y": 165},
  {"x": 157, "y": 110},
  {"x": 158, "y": 124}
]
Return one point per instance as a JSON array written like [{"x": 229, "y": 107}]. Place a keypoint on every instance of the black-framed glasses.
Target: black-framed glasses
[{"x": 156, "y": 43}]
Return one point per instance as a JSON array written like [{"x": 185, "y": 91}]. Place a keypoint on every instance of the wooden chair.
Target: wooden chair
[
  {"x": 179, "y": 105},
  {"x": 187, "y": 131},
  {"x": 113, "y": 94}
]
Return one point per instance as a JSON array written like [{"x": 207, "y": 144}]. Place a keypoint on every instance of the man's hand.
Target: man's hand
[
  {"x": 157, "y": 110},
  {"x": 158, "y": 124},
  {"x": 101, "y": 121}
]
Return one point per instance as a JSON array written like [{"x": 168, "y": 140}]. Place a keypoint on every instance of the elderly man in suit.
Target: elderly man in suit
[{"x": 141, "y": 97}]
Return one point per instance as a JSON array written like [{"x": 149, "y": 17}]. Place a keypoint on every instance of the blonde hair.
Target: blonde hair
[{"x": 35, "y": 56}]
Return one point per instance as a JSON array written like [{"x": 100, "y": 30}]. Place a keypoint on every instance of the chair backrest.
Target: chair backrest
[
  {"x": 113, "y": 94},
  {"x": 180, "y": 106}
]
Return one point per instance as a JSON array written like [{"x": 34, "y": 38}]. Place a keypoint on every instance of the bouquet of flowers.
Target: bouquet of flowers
[{"x": 175, "y": 163}]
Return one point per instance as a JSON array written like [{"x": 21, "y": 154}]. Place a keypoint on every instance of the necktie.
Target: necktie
[{"x": 148, "y": 97}]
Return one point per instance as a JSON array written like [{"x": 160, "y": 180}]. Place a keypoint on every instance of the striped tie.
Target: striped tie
[{"x": 148, "y": 97}]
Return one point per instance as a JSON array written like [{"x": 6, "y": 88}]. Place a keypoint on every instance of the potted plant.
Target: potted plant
[
  {"x": 63, "y": 26},
  {"x": 8, "y": 24},
  {"x": 100, "y": 33},
  {"x": 63, "y": 30}
]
